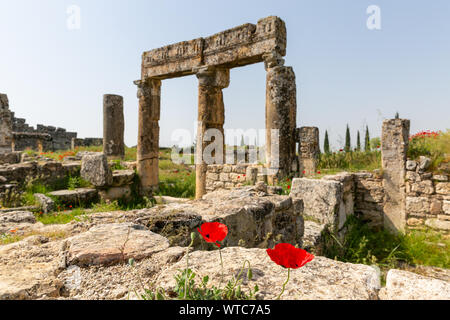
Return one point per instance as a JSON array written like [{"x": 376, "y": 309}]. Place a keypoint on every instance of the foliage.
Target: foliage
[
  {"x": 350, "y": 161},
  {"x": 367, "y": 140},
  {"x": 117, "y": 165},
  {"x": 432, "y": 144},
  {"x": 60, "y": 217},
  {"x": 187, "y": 289},
  {"x": 348, "y": 146},
  {"x": 326, "y": 144},
  {"x": 358, "y": 142},
  {"x": 361, "y": 244}
]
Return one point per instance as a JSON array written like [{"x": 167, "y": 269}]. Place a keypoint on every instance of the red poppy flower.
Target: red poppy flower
[
  {"x": 304, "y": 171},
  {"x": 288, "y": 187},
  {"x": 213, "y": 232},
  {"x": 13, "y": 231},
  {"x": 318, "y": 172},
  {"x": 288, "y": 256}
]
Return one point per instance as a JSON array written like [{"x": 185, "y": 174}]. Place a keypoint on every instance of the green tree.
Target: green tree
[
  {"x": 242, "y": 141},
  {"x": 397, "y": 116},
  {"x": 367, "y": 140},
  {"x": 347, "y": 140},
  {"x": 326, "y": 144},
  {"x": 358, "y": 142}
]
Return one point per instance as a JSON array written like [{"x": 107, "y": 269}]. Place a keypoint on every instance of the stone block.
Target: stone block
[
  {"x": 95, "y": 169},
  {"x": 405, "y": 285},
  {"x": 417, "y": 204},
  {"x": 443, "y": 188}
]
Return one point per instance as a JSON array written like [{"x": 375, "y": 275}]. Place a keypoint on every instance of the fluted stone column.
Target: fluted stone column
[
  {"x": 281, "y": 112},
  {"x": 394, "y": 147},
  {"x": 211, "y": 114},
  {"x": 308, "y": 150},
  {"x": 149, "y": 94},
  {"x": 113, "y": 126}
]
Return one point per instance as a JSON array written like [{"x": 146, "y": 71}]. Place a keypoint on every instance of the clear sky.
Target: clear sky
[{"x": 345, "y": 72}]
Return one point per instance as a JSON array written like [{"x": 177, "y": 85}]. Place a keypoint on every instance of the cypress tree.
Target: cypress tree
[
  {"x": 347, "y": 140},
  {"x": 367, "y": 140},
  {"x": 358, "y": 142},
  {"x": 242, "y": 141},
  {"x": 397, "y": 116},
  {"x": 326, "y": 144}
]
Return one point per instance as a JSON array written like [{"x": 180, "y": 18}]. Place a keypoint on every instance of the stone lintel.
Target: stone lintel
[{"x": 239, "y": 46}]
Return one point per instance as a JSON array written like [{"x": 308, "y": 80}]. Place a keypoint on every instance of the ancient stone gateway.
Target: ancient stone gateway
[{"x": 210, "y": 59}]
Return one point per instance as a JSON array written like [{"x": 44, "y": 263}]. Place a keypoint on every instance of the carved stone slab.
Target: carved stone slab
[{"x": 235, "y": 47}]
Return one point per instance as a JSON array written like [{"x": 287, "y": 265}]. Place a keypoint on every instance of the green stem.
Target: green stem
[
  {"x": 240, "y": 272},
  {"x": 221, "y": 263},
  {"x": 285, "y": 283},
  {"x": 187, "y": 268}
]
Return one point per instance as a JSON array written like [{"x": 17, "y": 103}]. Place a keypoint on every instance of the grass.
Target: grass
[
  {"x": 350, "y": 161},
  {"x": 364, "y": 245},
  {"x": 60, "y": 217}
]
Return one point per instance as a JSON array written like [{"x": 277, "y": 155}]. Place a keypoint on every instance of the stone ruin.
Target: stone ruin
[
  {"x": 211, "y": 59},
  {"x": 17, "y": 135},
  {"x": 97, "y": 247}
]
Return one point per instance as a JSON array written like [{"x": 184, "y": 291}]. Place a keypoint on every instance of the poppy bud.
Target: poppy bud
[
  {"x": 249, "y": 274},
  {"x": 131, "y": 262},
  {"x": 192, "y": 236}
]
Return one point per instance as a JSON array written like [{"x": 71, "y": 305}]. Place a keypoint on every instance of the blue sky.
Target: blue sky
[{"x": 345, "y": 72}]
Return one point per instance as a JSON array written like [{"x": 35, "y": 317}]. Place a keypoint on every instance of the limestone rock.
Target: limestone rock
[
  {"x": 405, "y": 285},
  {"x": 95, "y": 169},
  {"x": 424, "y": 187},
  {"x": 424, "y": 163},
  {"x": 411, "y": 165},
  {"x": 440, "y": 177},
  {"x": 76, "y": 196},
  {"x": 321, "y": 279},
  {"x": 253, "y": 218},
  {"x": 443, "y": 188},
  {"x": 438, "y": 224},
  {"x": 46, "y": 203},
  {"x": 111, "y": 243},
  {"x": 28, "y": 268},
  {"x": 122, "y": 177},
  {"x": 17, "y": 217},
  {"x": 323, "y": 200},
  {"x": 115, "y": 193},
  {"x": 417, "y": 204}
]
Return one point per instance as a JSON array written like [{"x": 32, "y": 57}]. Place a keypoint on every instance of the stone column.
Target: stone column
[
  {"x": 6, "y": 136},
  {"x": 308, "y": 150},
  {"x": 211, "y": 114},
  {"x": 113, "y": 126},
  {"x": 281, "y": 111},
  {"x": 394, "y": 146},
  {"x": 149, "y": 94}
]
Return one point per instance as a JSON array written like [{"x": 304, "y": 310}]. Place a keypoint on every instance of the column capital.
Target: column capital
[
  {"x": 148, "y": 87},
  {"x": 214, "y": 77},
  {"x": 272, "y": 59}
]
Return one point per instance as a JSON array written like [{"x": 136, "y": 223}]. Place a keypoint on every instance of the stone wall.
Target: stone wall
[
  {"x": 86, "y": 142},
  {"x": 227, "y": 176},
  {"x": 17, "y": 135},
  {"x": 427, "y": 197},
  {"x": 369, "y": 197}
]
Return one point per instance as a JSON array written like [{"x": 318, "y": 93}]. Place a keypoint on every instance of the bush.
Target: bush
[{"x": 432, "y": 144}]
